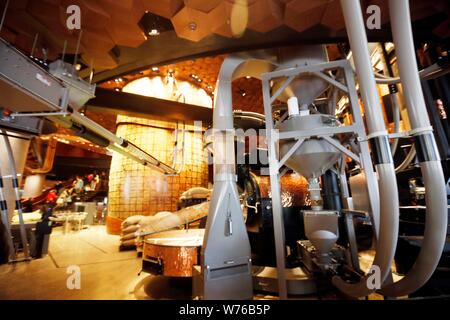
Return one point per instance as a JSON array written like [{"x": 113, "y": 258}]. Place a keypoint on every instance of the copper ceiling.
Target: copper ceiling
[
  {"x": 116, "y": 45},
  {"x": 110, "y": 27}
]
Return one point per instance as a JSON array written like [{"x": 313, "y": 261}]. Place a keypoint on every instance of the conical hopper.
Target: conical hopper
[
  {"x": 323, "y": 240},
  {"x": 314, "y": 156},
  {"x": 305, "y": 87},
  {"x": 321, "y": 228}
]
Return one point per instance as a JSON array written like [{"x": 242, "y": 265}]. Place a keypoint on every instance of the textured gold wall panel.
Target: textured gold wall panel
[{"x": 138, "y": 190}]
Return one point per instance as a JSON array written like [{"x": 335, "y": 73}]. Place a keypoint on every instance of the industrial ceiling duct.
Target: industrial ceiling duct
[{"x": 386, "y": 241}]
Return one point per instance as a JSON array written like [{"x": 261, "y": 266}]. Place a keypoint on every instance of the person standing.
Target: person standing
[
  {"x": 79, "y": 184},
  {"x": 51, "y": 197},
  {"x": 43, "y": 230}
]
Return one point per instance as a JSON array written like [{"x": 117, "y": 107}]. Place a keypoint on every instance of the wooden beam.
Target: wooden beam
[{"x": 133, "y": 104}]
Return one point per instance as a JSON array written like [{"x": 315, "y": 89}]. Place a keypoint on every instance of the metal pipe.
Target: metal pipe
[
  {"x": 34, "y": 44},
  {"x": 407, "y": 161},
  {"x": 15, "y": 184},
  {"x": 396, "y": 120},
  {"x": 49, "y": 158},
  {"x": 436, "y": 195},
  {"x": 75, "y": 59},
  {"x": 393, "y": 90},
  {"x": 5, "y": 220},
  {"x": 389, "y": 208},
  {"x": 434, "y": 69},
  {"x": 4, "y": 14},
  {"x": 127, "y": 145},
  {"x": 225, "y": 210}
]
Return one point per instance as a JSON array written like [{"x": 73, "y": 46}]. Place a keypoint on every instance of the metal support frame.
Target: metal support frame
[
  {"x": 39, "y": 114},
  {"x": 341, "y": 148},
  {"x": 331, "y": 81},
  {"x": 5, "y": 219},
  {"x": 273, "y": 137},
  {"x": 15, "y": 185},
  {"x": 35, "y": 89},
  {"x": 349, "y": 225}
]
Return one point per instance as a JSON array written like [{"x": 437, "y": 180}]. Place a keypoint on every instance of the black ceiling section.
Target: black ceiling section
[{"x": 150, "y": 21}]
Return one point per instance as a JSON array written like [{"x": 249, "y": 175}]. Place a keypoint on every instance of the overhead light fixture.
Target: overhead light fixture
[
  {"x": 155, "y": 69},
  {"x": 153, "y": 25},
  {"x": 117, "y": 89},
  {"x": 154, "y": 32},
  {"x": 389, "y": 46},
  {"x": 247, "y": 77}
]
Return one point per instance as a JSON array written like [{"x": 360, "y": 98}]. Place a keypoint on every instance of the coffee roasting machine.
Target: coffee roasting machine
[{"x": 348, "y": 166}]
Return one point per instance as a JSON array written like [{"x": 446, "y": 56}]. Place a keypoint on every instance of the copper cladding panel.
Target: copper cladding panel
[{"x": 178, "y": 258}]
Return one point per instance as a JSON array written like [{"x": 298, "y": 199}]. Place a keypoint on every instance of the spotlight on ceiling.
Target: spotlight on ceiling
[
  {"x": 153, "y": 25},
  {"x": 153, "y": 32},
  {"x": 192, "y": 26},
  {"x": 117, "y": 89}
]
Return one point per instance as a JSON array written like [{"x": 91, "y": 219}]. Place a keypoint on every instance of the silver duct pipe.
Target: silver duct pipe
[
  {"x": 116, "y": 143},
  {"x": 230, "y": 250},
  {"x": 393, "y": 96},
  {"x": 407, "y": 161},
  {"x": 436, "y": 196},
  {"x": 396, "y": 120},
  {"x": 127, "y": 145},
  {"x": 389, "y": 205},
  {"x": 428, "y": 73},
  {"x": 5, "y": 220}
]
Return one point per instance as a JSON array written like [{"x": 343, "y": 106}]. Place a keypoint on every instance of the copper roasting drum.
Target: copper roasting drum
[{"x": 172, "y": 253}]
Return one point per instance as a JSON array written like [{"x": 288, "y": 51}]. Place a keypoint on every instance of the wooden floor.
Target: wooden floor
[{"x": 106, "y": 273}]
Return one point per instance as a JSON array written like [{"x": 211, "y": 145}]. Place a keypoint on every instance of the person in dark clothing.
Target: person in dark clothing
[
  {"x": 58, "y": 187},
  {"x": 43, "y": 228}
]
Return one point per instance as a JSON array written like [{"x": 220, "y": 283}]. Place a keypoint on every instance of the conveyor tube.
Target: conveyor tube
[
  {"x": 389, "y": 206},
  {"x": 436, "y": 195}
]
